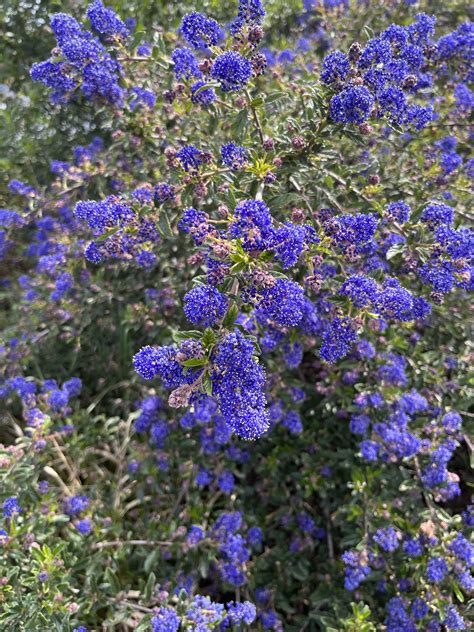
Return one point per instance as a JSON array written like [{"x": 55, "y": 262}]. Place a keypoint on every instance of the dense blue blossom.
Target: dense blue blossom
[
  {"x": 165, "y": 620},
  {"x": 452, "y": 422},
  {"x": 413, "y": 547},
  {"x": 10, "y": 506},
  {"x": 293, "y": 354},
  {"x": 436, "y": 215},
  {"x": 438, "y": 274},
  {"x": 450, "y": 161},
  {"x": 352, "y": 229},
  {"x": 103, "y": 214},
  {"x": 453, "y": 620},
  {"x": 185, "y": 64},
  {"x": 370, "y": 450},
  {"x": 359, "y": 424},
  {"x": 387, "y": 539},
  {"x": 238, "y": 386},
  {"x": 292, "y": 421},
  {"x": 163, "y": 192},
  {"x": 152, "y": 361},
  {"x": 190, "y": 158},
  {"x": 84, "y": 526},
  {"x": 250, "y": 12},
  {"x": 202, "y": 96},
  {"x": 195, "y": 223},
  {"x": 76, "y": 504},
  {"x": 436, "y": 569},
  {"x": 232, "y": 71},
  {"x": 338, "y": 340},
  {"x": 357, "y": 569},
  {"x": 10, "y": 218},
  {"x": 105, "y": 22},
  {"x": 352, "y": 105},
  {"x": 200, "y": 31},
  {"x": 462, "y": 549},
  {"x": 399, "y": 211},
  {"x": 253, "y": 223},
  {"x": 360, "y": 289},
  {"x": 142, "y": 97},
  {"x": 87, "y": 64},
  {"x": 464, "y": 98},
  {"x": 398, "y": 618},
  {"x": 290, "y": 240},
  {"x": 244, "y": 612},
  {"x": 195, "y": 535},
  {"x": 234, "y": 156},
  {"x": 336, "y": 67},
  {"x": 203, "y": 612},
  {"x": 366, "y": 264},
  {"x": 204, "y": 305},
  {"x": 283, "y": 302}
]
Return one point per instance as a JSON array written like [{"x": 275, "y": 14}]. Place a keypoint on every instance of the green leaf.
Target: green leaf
[
  {"x": 208, "y": 337},
  {"x": 107, "y": 234},
  {"x": 150, "y": 561},
  {"x": 395, "y": 250},
  {"x": 195, "y": 362},
  {"x": 150, "y": 584},
  {"x": 111, "y": 579},
  {"x": 257, "y": 102},
  {"x": 207, "y": 384},
  {"x": 231, "y": 316},
  {"x": 206, "y": 86},
  {"x": 180, "y": 336},
  {"x": 238, "y": 267},
  {"x": 458, "y": 592},
  {"x": 164, "y": 225}
]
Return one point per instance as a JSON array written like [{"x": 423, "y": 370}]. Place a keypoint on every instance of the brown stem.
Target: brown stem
[
  {"x": 113, "y": 543},
  {"x": 258, "y": 125}
]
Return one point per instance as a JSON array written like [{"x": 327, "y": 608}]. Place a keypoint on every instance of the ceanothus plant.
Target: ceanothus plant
[{"x": 235, "y": 353}]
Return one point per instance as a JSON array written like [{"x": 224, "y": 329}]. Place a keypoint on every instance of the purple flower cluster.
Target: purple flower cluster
[
  {"x": 186, "y": 64},
  {"x": 232, "y": 71},
  {"x": 376, "y": 81},
  {"x": 105, "y": 22},
  {"x": 204, "y": 305},
  {"x": 200, "y": 31},
  {"x": 238, "y": 383},
  {"x": 85, "y": 63},
  {"x": 233, "y": 156},
  {"x": 250, "y": 13},
  {"x": 120, "y": 232}
]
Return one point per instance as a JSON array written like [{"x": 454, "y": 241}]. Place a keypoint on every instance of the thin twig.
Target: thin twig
[
  {"x": 113, "y": 543},
  {"x": 255, "y": 117},
  {"x": 69, "y": 467}
]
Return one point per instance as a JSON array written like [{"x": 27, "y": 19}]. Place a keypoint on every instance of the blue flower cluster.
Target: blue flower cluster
[
  {"x": 232, "y": 71},
  {"x": 238, "y": 383},
  {"x": 205, "y": 305},
  {"x": 185, "y": 64},
  {"x": 204, "y": 614},
  {"x": 120, "y": 231},
  {"x": 200, "y": 31},
  {"x": 105, "y": 22},
  {"x": 377, "y": 80},
  {"x": 237, "y": 380},
  {"x": 233, "y": 156},
  {"x": 83, "y": 64},
  {"x": 280, "y": 295},
  {"x": 250, "y": 13},
  {"x": 410, "y": 610}
]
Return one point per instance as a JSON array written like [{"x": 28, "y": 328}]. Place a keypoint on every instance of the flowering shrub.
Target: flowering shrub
[{"x": 235, "y": 337}]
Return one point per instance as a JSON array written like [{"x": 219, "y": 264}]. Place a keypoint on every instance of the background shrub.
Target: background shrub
[{"x": 236, "y": 263}]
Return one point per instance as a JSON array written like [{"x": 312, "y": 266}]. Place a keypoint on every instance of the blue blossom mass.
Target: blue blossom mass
[{"x": 235, "y": 286}]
